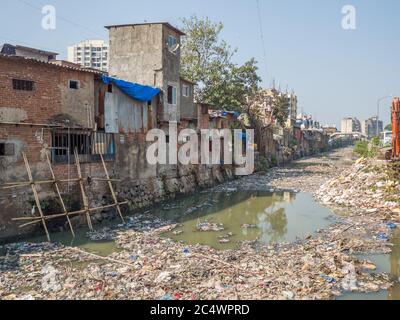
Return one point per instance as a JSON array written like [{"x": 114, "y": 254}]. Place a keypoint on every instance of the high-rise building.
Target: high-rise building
[
  {"x": 351, "y": 125},
  {"x": 90, "y": 54},
  {"x": 372, "y": 127}
]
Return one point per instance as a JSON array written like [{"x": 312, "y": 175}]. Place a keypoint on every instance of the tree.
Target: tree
[
  {"x": 281, "y": 109},
  {"x": 207, "y": 61},
  {"x": 388, "y": 127}
]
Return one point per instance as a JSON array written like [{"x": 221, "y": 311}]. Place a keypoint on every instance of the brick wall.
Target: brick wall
[{"x": 51, "y": 95}]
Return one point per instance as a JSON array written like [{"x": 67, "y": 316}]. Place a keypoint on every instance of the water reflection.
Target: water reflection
[{"x": 270, "y": 218}]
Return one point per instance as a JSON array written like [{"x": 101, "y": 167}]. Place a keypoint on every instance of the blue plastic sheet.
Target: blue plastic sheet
[{"x": 134, "y": 90}]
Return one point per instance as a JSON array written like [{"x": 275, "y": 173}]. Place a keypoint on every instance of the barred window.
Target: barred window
[
  {"x": 24, "y": 85},
  {"x": 7, "y": 149}
]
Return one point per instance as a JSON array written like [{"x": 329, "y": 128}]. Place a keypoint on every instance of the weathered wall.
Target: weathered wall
[
  {"x": 51, "y": 97},
  {"x": 141, "y": 184},
  {"x": 78, "y": 103},
  {"x": 124, "y": 114},
  {"x": 30, "y": 106},
  {"x": 188, "y": 107},
  {"x": 135, "y": 53},
  {"x": 140, "y": 54},
  {"x": 18, "y": 202}
]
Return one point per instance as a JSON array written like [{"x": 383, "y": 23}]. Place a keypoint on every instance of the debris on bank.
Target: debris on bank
[
  {"x": 370, "y": 187},
  {"x": 149, "y": 266}
]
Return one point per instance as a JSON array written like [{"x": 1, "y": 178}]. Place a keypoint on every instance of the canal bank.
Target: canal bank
[{"x": 277, "y": 260}]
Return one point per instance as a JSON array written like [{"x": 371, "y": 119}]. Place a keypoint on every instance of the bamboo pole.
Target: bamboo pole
[
  {"x": 110, "y": 180},
  {"x": 59, "y": 194},
  {"x": 112, "y": 188},
  {"x": 54, "y": 216},
  {"x": 84, "y": 197},
  {"x": 35, "y": 194},
  {"x": 12, "y": 185}
]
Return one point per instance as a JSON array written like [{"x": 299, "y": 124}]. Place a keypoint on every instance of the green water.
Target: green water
[
  {"x": 101, "y": 248},
  {"x": 274, "y": 218},
  {"x": 386, "y": 263}
]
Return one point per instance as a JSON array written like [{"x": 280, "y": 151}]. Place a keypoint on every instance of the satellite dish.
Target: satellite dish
[{"x": 175, "y": 48}]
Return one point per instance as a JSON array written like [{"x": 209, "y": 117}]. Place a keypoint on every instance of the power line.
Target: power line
[
  {"x": 62, "y": 18},
  {"x": 25, "y": 43},
  {"x": 262, "y": 37}
]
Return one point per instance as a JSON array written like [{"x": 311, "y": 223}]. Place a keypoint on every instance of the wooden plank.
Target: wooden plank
[
  {"x": 35, "y": 194},
  {"x": 84, "y": 197},
  {"x": 59, "y": 194},
  {"x": 112, "y": 189}
]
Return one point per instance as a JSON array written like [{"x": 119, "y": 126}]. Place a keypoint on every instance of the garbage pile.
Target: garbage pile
[
  {"x": 208, "y": 226},
  {"x": 149, "y": 266},
  {"x": 367, "y": 188}
]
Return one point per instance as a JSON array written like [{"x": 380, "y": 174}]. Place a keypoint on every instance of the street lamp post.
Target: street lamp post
[{"x": 378, "y": 109}]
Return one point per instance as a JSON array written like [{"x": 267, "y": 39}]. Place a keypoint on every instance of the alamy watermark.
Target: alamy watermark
[
  {"x": 49, "y": 17},
  {"x": 349, "y": 20},
  {"x": 213, "y": 147}
]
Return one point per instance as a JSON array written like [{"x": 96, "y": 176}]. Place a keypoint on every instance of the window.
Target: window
[
  {"x": 185, "y": 90},
  {"x": 24, "y": 85},
  {"x": 88, "y": 144},
  {"x": 110, "y": 88},
  {"x": 74, "y": 84},
  {"x": 7, "y": 149},
  {"x": 172, "y": 42},
  {"x": 172, "y": 95}
]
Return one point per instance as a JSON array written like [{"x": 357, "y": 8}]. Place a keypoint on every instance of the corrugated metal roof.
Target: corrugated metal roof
[{"x": 35, "y": 61}]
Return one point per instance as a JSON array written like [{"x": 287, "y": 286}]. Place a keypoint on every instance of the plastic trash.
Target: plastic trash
[
  {"x": 167, "y": 297},
  {"x": 382, "y": 236},
  {"x": 391, "y": 226},
  {"x": 328, "y": 279}
]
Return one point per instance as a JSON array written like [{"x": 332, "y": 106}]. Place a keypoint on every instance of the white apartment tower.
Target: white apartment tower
[{"x": 90, "y": 54}]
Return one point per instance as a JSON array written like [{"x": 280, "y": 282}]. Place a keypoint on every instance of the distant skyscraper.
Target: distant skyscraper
[
  {"x": 90, "y": 54},
  {"x": 369, "y": 127},
  {"x": 351, "y": 125}
]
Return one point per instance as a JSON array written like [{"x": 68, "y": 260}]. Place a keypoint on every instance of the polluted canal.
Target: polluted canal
[
  {"x": 219, "y": 220},
  {"x": 261, "y": 237}
]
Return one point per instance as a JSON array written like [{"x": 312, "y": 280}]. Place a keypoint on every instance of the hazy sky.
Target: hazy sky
[{"x": 336, "y": 73}]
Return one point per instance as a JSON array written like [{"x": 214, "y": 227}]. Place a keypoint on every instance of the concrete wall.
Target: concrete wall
[
  {"x": 78, "y": 103},
  {"x": 18, "y": 202},
  {"x": 188, "y": 107},
  {"x": 140, "y": 54},
  {"x": 135, "y": 54}
]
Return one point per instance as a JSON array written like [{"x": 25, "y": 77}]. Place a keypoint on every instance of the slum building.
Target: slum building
[
  {"x": 50, "y": 107},
  {"x": 150, "y": 54}
]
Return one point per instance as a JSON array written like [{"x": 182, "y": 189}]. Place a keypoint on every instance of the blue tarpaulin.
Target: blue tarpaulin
[{"x": 134, "y": 90}]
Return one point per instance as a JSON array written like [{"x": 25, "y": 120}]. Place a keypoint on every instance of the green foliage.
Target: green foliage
[
  {"x": 263, "y": 164},
  {"x": 376, "y": 141},
  {"x": 281, "y": 109},
  {"x": 274, "y": 160},
  {"x": 388, "y": 127},
  {"x": 207, "y": 61},
  {"x": 363, "y": 149}
]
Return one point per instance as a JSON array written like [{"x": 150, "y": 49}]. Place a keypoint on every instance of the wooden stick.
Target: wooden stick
[
  {"x": 59, "y": 194},
  {"x": 24, "y": 184},
  {"x": 35, "y": 194},
  {"x": 110, "y": 180},
  {"x": 54, "y": 216},
  {"x": 84, "y": 198},
  {"x": 112, "y": 188}
]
